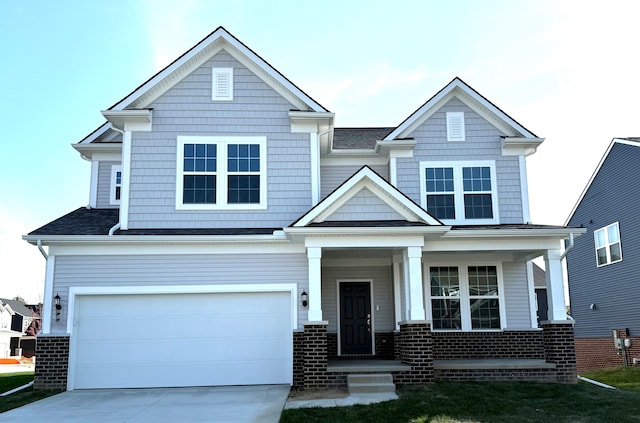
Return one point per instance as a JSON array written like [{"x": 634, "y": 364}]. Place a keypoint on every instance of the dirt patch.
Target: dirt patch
[{"x": 311, "y": 394}]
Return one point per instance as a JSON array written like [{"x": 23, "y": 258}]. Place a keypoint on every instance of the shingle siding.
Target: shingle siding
[
  {"x": 176, "y": 270},
  {"x": 483, "y": 142},
  {"x": 615, "y": 289},
  {"x": 331, "y": 177},
  {"x": 103, "y": 198},
  {"x": 187, "y": 110},
  {"x": 365, "y": 206}
]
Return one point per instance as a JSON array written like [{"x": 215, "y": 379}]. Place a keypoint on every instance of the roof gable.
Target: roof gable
[
  {"x": 633, "y": 142},
  {"x": 367, "y": 184},
  {"x": 457, "y": 88}
]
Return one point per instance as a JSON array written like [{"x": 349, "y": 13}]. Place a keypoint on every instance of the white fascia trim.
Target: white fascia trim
[
  {"x": 91, "y": 151},
  {"x": 518, "y": 146},
  {"x": 365, "y": 241},
  {"x": 95, "y": 134},
  {"x": 558, "y": 233},
  {"x": 277, "y": 236},
  {"x": 534, "y": 247},
  {"x": 378, "y": 186},
  {"x": 76, "y": 291},
  {"x": 367, "y": 231},
  {"x": 132, "y": 120}
]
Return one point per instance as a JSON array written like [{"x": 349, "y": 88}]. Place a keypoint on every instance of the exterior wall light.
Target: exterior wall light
[
  {"x": 305, "y": 298},
  {"x": 56, "y": 302}
]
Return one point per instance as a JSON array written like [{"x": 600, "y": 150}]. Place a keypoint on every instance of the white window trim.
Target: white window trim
[
  {"x": 459, "y": 192},
  {"x": 215, "y": 95},
  {"x": 112, "y": 189},
  {"x": 607, "y": 244},
  {"x": 221, "y": 172},
  {"x": 465, "y": 297},
  {"x": 451, "y": 118}
]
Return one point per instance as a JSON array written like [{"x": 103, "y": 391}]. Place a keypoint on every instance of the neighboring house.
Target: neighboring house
[
  {"x": 235, "y": 236},
  {"x": 11, "y": 327},
  {"x": 25, "y": 323},
  {"x": 603, "y": 265}
]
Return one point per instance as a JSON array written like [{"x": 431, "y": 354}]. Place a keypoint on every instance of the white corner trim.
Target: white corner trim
[
  {"x": 314, "y": 145},
  {"x": 531, "y": 289},
  {"x": 93, "y": 186},
  {"x": 126, "y": 180},
  {"x": 524, "y": 189},
  {"x": 47, "y": 308}
]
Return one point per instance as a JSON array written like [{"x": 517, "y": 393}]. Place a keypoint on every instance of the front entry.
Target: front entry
[{"x": 355, "y": 318}]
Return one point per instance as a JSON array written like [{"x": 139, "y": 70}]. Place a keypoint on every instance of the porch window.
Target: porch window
[
  {"x": 607, "y": 242},
  {"x": 459, "y": 193},
  {"x": 221, "y": 173},
  {"x": 465, "y": 297},
  {"x": 116, "y": 184}
]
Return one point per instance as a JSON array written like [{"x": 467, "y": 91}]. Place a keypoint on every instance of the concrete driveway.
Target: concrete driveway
[{"x": 212, "y": 404}]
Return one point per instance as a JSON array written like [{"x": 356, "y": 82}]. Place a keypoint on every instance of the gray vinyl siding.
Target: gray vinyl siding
[
  {"x": 187, "y": 110},
  {"x": 516, "y": 295},
  {"x": 383, "y": 320},
  {"x": 331, "y": 177},
  {"x": 364, "y": 206},
  {"x": 483, "y": 142},
  {"x": 615, "y": 288},
  {"x": 176, "y": 270},
  {"x": 103, "y": 198}
]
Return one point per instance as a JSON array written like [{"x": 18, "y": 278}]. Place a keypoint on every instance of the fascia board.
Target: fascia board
[
  {"x": 362, "y": 231},
  {"x": 560, "y": 233},
  {"x": 89, "y": 150},
  {"x": 613, "y": 142},
  {"x": 152, "y": 239}
]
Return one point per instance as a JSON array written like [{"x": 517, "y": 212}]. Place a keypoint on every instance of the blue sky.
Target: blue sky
[{"x": 564, "y": 69}]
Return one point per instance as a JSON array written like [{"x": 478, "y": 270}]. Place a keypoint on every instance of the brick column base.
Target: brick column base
[
  {"x": 314, "y": 361},
  {"x": 559, "y": 348},
  {"x": 52, "y": 363},
  {"x": 415, "y": 348}
]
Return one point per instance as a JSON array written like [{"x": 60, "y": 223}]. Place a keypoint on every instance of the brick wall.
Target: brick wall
[
  {"x": 600, "y": 353},
  {"x": 478, "y": 345},
  {"x": 498, "y": 375},
  {"x": 415, "y": 349},
  {"x": 559, "y": 348},
  {"x": 315, "y": 355},
  {"x": 298, "y": 360},
  {"x": 52, "y": 363},
  {"x": 384, "y": 347}
]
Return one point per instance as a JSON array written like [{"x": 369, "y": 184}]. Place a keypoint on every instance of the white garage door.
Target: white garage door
[{"x": 135, "y": 341}]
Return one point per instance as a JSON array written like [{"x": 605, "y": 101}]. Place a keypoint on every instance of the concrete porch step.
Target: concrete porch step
[{"x": 370, "y": 383}]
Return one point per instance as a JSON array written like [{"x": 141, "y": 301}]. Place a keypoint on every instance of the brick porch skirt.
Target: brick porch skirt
[
  {"x": 52, "y": 363},
  {"x": 600, "y": 353}
]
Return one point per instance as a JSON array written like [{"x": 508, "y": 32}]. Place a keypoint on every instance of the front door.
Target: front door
[{"x": 355, "y": 318}]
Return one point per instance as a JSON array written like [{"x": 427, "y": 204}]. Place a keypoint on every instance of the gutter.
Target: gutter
[
  {"x": 114, "y": 228},
  {"x": 20, "y": 388}
]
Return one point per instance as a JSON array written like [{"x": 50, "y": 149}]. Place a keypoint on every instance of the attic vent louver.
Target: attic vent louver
[
  {"x": 222, "y": 89},
  {"x": 455, "y": 126}
]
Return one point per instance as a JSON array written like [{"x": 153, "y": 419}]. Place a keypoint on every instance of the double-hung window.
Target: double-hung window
[
  {"x": 460, "y": 192},
  {"x": 466, "y": 297},
  {"x": 116, "y": 184},
  {"x": 608, "y": 248},
  {"x": 221, "y": 172}
]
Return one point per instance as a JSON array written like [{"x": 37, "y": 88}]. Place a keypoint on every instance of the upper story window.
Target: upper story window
[
  {"x": 116, "y": 184},
  {"x": 608, "y": 248},
  {"x": 222, "y": 84},
  {"x": 455, "y": 126},
  {"x": 466, "y": 297},
  {"x": 221, "y": 172},
  {"x": 460, "y": 192}
]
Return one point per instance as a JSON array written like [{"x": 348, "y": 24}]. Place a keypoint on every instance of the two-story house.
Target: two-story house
[
  {"x": 229, "y": 219},
  {"x": 603, "y": 265}
]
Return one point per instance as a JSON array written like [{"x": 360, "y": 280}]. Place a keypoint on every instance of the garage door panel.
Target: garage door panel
[{"x": 182, "y": 340}]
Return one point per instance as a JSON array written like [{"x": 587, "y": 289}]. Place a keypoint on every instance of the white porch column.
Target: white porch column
[
  {"x": 314, "y": 255},
  {"x": 397, "y": 280},
  {"x": 416, "y": 298},
  {"x": 555, "y": 285}
]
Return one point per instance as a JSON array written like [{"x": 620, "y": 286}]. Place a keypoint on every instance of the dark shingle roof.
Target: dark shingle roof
[
  {"x": 356, "y": 138},
  {"x": 82, "y": 221}
]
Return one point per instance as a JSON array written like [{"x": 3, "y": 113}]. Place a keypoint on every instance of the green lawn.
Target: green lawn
[
  {"x": 9, "y": 381},
  {"x": 620, "y": 377},
  {"x": 487, "y": 402}
]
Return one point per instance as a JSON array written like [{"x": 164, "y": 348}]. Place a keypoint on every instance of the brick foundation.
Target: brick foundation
[
  {"x": 600, "y": 353},
  {"x": 52, "y": 363},
  {"x": 559, "y": 348},
  {"x": 527, "y": 344},
  {"x": 298, "y": 360},
  {"x": 384, "y": 347},
  {"x": 414, "y": 347}
]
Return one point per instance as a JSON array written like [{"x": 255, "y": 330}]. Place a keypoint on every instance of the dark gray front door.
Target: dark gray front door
[{"x": 355, "y": 318}]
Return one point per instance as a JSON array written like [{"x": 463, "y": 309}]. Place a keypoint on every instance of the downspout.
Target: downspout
[
  {"x": 44, "y": 253},
  {"x": 114, "y": 228},
  {"x": 566, "y": 251}
]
